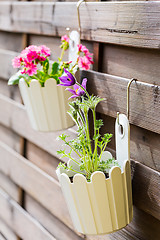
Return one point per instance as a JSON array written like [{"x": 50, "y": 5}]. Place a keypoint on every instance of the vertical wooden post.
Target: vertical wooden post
[{"x": 21, "y": 192}]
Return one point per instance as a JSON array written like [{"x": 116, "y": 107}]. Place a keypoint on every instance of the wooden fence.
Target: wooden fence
[{"x": 125, "y": 40}]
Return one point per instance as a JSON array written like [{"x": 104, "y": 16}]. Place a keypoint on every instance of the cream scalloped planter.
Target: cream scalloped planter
[
  {"x": 103, "y": 205},
  {"x": 46, "y": 106}
]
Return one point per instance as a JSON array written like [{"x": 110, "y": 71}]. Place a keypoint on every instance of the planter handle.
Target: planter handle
[{"x": 122, "y": 133}]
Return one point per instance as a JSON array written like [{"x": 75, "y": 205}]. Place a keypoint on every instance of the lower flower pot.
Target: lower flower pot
[
  {"x": 103, "y": 205},
  {"x": 46, "y": 106}
]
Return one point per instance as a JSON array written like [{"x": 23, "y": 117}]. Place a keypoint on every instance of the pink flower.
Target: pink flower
[
  {"x": 44, "y": 50},
  {"x": 84, "y": 63},
  {"x": 31, "y": 56},
  {"x": 30, "y": 68},
  {"x": 41, "y": 58},
  {"x": 65, "y": 38},
  {"x": 28, "y": 49},
  {"x": 82, "y": 48},
  {"x": 89, "y": 59},
  {"x": 16, "y": 62}
]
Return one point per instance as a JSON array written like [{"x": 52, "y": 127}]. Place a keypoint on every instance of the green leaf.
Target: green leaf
[
  {"x": 40, "y": 75},
  {"x": 55, "y": 68},
  {"x": 15, "y": 78},
  {"x": 46, "y": 66}
]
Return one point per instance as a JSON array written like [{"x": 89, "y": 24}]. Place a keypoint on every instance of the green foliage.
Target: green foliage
[
  {"x": 89, "y": 150},
  {"x": 15, "y": 78},
  {"x": 45, "y": 66},
  {"x": 55, "y": 68}
]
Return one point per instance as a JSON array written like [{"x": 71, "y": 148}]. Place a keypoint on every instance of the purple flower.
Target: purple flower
[
  {"x": 68, "y": 80},
  {"x": 78, "y": 91}
]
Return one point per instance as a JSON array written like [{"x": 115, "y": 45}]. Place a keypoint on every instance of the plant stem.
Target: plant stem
[
  {"x": 103, "y": 148},
  {"x": 62, "y": 54},
  {"x": 72, "y": 148},
  {"x": 81, "y": 117},
  {"x": 88, "y": 139},
  {"x": 96, "y": 140},
  {"x": 66, "y": 155}
]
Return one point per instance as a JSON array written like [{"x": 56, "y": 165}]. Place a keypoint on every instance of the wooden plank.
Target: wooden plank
[
  {"x": 42, "y": 159},
  {"x": 129, "y": 62},
  {"x": 144, "y": 98},
  {"x": 11, "y": 92},
  {"x": 51, "y": 197},
  {"x": 6, "y": 231},
  {"x": 59, "y": 230},
  {"x": 47, "y": 192},
  {"x": 9, "y": 187},
  {"x": 144, "y": 145},
  {"x": 11, "y": 41},
  {"x": 143, "y": 226},
  {"x": 10, "y": 138},
  {"x": 47, "y": 141},
  {"x": 127, "y": 23},
  {"x": 6, "y": 69},
  {"x": 20, "y": 221},
  {"x": 2, "y": 237},
  {"x": 146, "y": 189}
]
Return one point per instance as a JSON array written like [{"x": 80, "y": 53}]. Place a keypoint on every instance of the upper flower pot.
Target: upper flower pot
[
  {"x": 103, "y": 205},
  {"x": 46, "y": 106}
]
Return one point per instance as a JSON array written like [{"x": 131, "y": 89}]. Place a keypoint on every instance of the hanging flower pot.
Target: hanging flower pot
[
  {"x": 46, "y": 106},
  {"x": 44, "y": 97},
  {"x": 97, "y": 188}
]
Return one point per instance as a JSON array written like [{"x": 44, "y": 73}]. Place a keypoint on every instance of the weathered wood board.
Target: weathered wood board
[
  {"x": 127, "y": 23},
  {"x": 36, "y": 179},
  {"x": 16, "y": 218},
  {"x": 144, "y": 98},
  {"x": 125, "y": 39}
]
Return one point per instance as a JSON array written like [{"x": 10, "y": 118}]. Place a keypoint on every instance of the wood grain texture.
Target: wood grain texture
[
  {"x": 144, "y": 98},
  {"x": 20, "y": 221},
  {"x": 6, "y": 69},
  {"x": 142, "y": 227},
  {"x": 39, "y": 185},
  {"x": 9, "y": 186},
  {"x": 51, "y": 197},
  {"x": 127, "y": 23},
  {"x": 42, "y": 159},
  {"x": 130, "y": 62},
  {"x": 59, "y": 230},
  {"x": 146, "y": 189},
  {"x": 10, "y": 138},
  {"x": 11, "y": 41},
  {"x": 12, "y": 109},
  {"x": 11, "y": 92},
  {"x": 144, "y": 145},
  {"x": 6, "y": 231}
]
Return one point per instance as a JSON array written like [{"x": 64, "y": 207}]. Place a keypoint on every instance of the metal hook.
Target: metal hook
[
  {"x": 79, "y": 21},
  {"x": 118, "y": 118},
  {"x": 128, "y": 96}
]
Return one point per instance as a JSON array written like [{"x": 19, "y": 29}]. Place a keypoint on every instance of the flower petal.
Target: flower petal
[
  {"x": 64, "y": 84},
  {"x": 84, "y": 82},
  {"x": 70, "y": 90},
  {"x": 70, "y": 76},
  {"x": 64, "y": 79},
  {"x": 73, "y": 96}
]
